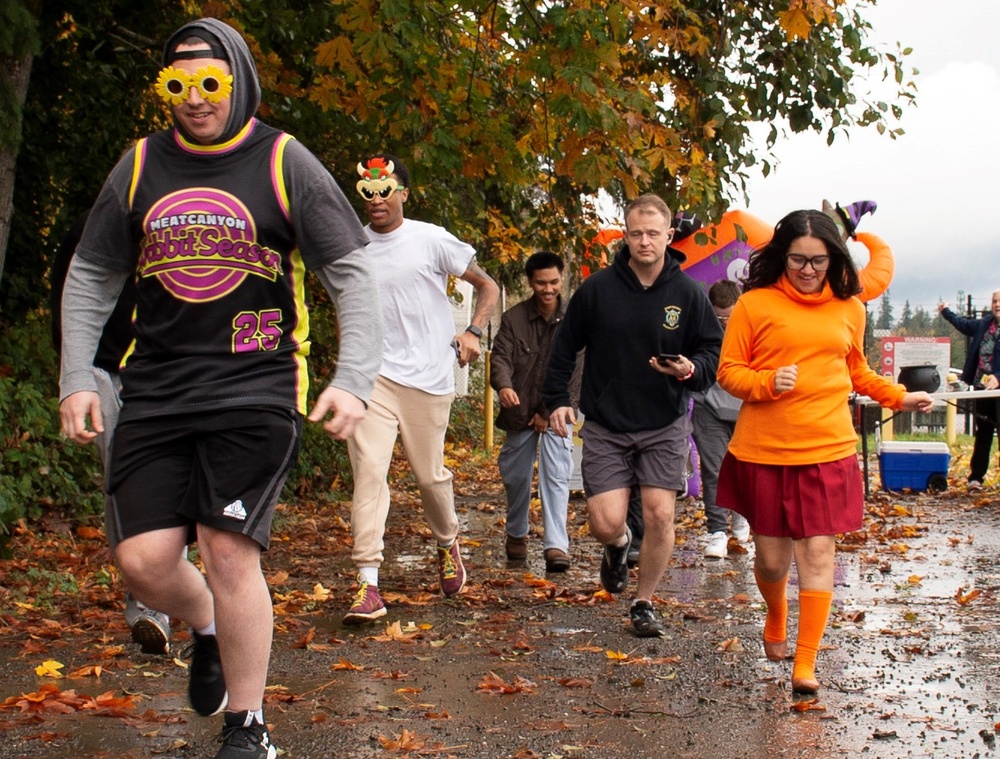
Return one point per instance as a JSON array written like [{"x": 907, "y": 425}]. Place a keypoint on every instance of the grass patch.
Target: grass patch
[{"x": 41, "y": 588}]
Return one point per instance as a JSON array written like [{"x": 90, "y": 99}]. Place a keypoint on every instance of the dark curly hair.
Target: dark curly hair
[{"x": 767, "y": 263}]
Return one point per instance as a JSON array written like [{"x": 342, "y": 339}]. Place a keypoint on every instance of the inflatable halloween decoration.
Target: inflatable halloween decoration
[
  {"x": 722, "y": 250},
  {"x": 847, "y": 218}
]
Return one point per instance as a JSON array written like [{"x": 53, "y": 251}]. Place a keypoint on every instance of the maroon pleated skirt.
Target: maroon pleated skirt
[{"x": 794, "y": 501}]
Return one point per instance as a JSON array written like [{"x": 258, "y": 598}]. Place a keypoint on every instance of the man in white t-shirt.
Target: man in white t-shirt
[{"x": 412, "y": 261}]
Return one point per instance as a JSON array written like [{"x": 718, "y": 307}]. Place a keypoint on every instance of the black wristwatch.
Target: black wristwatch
[{"x": 475, "y": 330}]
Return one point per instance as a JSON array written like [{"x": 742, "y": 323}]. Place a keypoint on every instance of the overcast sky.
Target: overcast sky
[{"x": 937, "y": 185}]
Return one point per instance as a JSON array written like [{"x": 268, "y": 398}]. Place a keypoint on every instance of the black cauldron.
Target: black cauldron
[{"x": 917, "y": 378}]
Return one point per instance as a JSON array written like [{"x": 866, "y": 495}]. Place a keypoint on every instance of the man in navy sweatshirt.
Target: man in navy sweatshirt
[{"x": 651, "y": 338}]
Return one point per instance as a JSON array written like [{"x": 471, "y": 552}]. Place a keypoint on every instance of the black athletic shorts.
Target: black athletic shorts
[{"x": 224, "y": 469}]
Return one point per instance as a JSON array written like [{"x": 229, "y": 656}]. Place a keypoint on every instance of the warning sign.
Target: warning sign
[{"x": 897, "y": 352}]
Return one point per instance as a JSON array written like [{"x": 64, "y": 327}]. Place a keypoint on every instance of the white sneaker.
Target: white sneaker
[
  {"x": 741, "y": 528},
  {"x": 718, "y": 546},
  {"x": 975, "y": 486}
]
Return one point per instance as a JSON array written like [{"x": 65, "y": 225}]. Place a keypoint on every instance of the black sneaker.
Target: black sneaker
[
  {"x": 245, "y": 738},
  {"x": 614, "y": 566},
  {"x": 206, "y": 684},
  {"x": 644, "y": 620}
]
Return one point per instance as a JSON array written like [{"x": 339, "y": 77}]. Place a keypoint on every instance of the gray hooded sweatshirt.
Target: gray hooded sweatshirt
[{"x": 106, "y": 254}]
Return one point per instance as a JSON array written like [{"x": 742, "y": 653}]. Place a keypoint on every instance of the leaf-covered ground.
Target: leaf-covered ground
[{"x": 527, "y": 665}]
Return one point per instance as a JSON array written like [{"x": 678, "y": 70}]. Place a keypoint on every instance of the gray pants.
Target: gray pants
[
  {"x": 712, "y": 436},
  {"x": 555, "y": 464}
]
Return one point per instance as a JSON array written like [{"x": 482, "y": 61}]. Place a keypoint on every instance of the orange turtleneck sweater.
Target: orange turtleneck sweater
[{"x": 778, "y": 326}]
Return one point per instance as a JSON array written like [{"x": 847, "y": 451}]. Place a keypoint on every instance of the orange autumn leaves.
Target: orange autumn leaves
[
  {"x": 53, "y": 668},
  {"x": 49, "y": 699},
  {"x": 803, "y": 15},
  {"x": 409, "y": 741},
  {"x": 493, "y": 683}
]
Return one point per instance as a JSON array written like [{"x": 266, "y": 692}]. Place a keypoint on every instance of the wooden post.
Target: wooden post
[
  {"x": 950, "y": 414},
  {"x": 950, "y": 418},
  {"x": 488, "y": 406},
  {"x": 886, "y": 425}
]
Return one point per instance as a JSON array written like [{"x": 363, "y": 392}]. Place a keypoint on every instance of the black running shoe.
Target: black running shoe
[
  {"x": 645, "y": 623},
  {"x": 241, "y": 740},
  {"x": 614, "y": 566},
  {"x": 206, "y": 684}
]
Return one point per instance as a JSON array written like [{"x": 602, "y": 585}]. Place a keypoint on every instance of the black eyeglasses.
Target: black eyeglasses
[{"x": 795, "y": 261}]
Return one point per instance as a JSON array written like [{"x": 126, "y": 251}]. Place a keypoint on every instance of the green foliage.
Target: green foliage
[
  {"x": 920, "y": 323},
  {"x": 323, "y": 470},
  {"x": 466, "y": 427},
  {"x": 18, "y": 41},
  {"x": 884, "y": 319},
  {"x": 40, "y": 587},
  {"x": 38, "y": 469},
  {"x": 87, "y": 101},
  {"x": 905, "y": 318},
  {"x": 18, "y": 28},
  {"x": 510, "y": 116}
]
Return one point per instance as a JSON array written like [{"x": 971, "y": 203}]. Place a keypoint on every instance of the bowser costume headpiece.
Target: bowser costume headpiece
[{"x": 377, "y": 179}]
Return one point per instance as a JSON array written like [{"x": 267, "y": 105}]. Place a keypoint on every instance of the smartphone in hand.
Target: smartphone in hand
[{"x": 664, "y": 358}]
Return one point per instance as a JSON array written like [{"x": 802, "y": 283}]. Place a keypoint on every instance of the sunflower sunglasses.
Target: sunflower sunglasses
[{"x": 174, "y": 85}]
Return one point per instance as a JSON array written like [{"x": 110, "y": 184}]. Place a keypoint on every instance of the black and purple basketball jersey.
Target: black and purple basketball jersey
[{"x": 220, "y": 317}]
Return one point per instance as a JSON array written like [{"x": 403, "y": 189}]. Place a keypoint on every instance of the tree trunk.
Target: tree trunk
[{"x": 19, "y": 72}]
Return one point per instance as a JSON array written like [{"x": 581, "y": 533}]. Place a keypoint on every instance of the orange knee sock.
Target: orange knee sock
[
  {"x": 776, "y": 598},
  {"x": 814, "y": 611}
]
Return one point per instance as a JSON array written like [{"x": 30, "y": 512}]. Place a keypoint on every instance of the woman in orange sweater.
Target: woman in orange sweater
[{"x": 793, "y": 351}]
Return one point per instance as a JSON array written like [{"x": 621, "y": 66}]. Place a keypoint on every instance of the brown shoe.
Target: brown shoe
[
  {"x": 556, "y": 560},
  {"x": 517, "y": 548}
]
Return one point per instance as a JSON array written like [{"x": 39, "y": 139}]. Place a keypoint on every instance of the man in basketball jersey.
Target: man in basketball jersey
[{"x": 216, "y": 220}]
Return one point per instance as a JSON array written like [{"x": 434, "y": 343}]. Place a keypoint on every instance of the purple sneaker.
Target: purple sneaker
[
  {"x": 367, "y": 606},
  {"x": 451, "y": 572}
]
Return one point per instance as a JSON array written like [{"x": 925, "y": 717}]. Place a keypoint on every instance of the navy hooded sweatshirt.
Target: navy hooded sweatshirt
[{"x": 621, "y": 324}]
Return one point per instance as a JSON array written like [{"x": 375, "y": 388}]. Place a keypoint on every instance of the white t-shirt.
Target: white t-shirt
[{"x": 412, "y": 264}]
